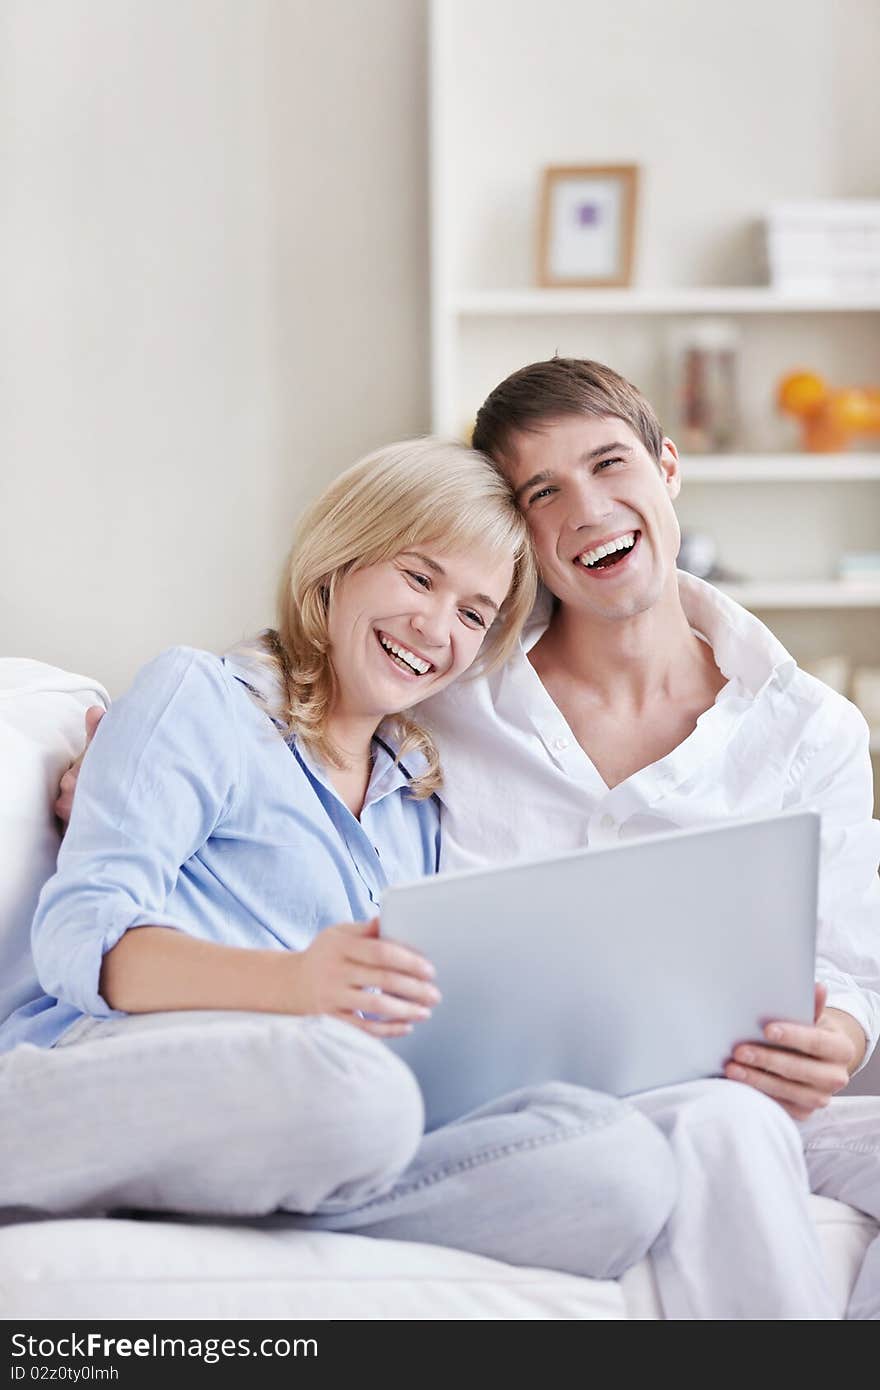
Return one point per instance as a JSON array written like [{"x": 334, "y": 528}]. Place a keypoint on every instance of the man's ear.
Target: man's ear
[{"x": 670, "y": 467}]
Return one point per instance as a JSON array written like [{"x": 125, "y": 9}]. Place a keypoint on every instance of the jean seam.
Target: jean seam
[
  {"x": 475, "y": 1160},
  {"x": 848, "y": 1146}
]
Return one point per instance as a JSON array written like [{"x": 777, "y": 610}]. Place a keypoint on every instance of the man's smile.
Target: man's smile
[{"x": 610, "y": 553}]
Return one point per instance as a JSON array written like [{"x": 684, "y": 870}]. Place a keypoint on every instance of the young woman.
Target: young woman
[{"x": 208, "y": 944}]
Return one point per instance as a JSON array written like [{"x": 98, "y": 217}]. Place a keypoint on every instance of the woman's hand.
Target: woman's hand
[
  {"x": 810, "y": 1064},
  {"x": 64, "y": 803},
  {"x": 333, "y": 973},
  {"x": 153, "y": 969}
]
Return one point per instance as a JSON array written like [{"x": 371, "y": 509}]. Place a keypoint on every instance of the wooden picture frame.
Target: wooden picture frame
[{"x": 587, "y": 225}]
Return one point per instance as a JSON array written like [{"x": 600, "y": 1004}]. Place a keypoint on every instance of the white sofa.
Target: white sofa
[{"x": 87, "y": 1268}]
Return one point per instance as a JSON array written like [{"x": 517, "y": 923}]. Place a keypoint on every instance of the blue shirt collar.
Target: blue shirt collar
[{"x": 388, "y": 775}]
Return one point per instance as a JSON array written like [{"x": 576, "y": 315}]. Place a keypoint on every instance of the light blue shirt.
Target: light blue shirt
[{"x": 192, "y": 811}]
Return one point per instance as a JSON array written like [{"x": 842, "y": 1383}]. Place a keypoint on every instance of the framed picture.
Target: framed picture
[{"x": 587, "y": 227}]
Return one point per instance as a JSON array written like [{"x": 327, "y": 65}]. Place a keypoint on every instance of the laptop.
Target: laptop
[{"x": 621, "y": 969}]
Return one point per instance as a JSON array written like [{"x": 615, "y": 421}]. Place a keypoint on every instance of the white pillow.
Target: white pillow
[{"x": 42, "y": 728}]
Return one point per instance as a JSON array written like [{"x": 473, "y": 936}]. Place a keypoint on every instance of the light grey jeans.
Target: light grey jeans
[
  {"x": 241, "y": 1115},
  {"x": 244, "y": 1115}
]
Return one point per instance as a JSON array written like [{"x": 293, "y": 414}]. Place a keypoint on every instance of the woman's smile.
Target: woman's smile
[
  {"x": 417, "y": 620},
  {"x": 410, "y": 664}
]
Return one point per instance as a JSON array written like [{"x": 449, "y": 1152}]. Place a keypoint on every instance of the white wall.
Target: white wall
[{"x": 212, "y": 297}]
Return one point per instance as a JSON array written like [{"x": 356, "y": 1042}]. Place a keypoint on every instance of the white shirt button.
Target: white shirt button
[
  {"x": 560, "y": 743},
  {"x": 607, "y": 822}
]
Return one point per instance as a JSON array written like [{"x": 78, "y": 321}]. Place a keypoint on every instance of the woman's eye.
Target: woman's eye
[
  {"x": 472, "y": 618},
  {"x": 421, "y": 579}
]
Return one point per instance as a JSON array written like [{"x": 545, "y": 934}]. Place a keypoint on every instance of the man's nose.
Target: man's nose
[{"x": 591, "y": 506}]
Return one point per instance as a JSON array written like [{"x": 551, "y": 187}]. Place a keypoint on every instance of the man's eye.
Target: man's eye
[
  {"x": 605, "y": 463},
  {"x": 473, "y": 618},
  {"x": 537, "y": 496}
]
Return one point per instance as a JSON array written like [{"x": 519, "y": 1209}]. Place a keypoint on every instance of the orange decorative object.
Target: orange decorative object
[{"x": 830, "y": 418}]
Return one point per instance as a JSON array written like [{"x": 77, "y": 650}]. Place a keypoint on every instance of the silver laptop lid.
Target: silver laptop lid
[{"x": 620, "y": 969}]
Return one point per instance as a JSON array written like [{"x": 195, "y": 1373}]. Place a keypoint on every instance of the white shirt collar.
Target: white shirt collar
[{"x": 744, "y": 648}]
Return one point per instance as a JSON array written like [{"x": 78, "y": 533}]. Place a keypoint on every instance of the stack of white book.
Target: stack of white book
[{"x": 824, "y": 247}]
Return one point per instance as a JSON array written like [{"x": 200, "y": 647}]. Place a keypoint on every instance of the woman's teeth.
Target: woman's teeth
[
  {"x": 591, "y": 558},
  {"x": 405, "y": 658}
]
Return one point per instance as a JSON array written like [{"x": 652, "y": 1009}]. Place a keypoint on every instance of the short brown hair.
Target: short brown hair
[{"x": 562, "y": 386}]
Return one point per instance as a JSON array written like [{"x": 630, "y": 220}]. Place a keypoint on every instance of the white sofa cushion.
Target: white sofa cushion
[
  {"x": 102, "y": 1268},
  {"x": 42, "y": 727},
  {"x": 85, "y": 1269}
]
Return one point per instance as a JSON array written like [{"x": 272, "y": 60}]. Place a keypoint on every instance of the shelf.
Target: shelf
[
  {"x": 732, "y": 299},
  {"x": 725, "y": 299},
  {"x": 804, "y": 594},
  {"x": 780, "y": 468}
]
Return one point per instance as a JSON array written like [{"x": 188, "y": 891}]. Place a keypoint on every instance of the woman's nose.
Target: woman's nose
[{"x": 432, "y": 625}]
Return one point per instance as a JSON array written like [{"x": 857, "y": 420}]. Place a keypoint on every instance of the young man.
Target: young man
[{"x": 644, "y": 700}]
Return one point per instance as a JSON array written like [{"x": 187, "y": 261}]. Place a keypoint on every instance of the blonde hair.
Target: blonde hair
[{"x": 418, "y": 493}]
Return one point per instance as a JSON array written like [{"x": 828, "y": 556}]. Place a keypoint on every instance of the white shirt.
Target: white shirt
[{"x": 518, "y": 785}]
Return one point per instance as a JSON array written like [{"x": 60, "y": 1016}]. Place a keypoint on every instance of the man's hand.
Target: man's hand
[
  {"x": 811, "y": 1063},
  {"x": 64, "y": 802}
]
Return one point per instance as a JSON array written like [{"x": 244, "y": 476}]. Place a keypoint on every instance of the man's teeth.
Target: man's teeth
[
  {"x": 415, "y": 663},
  {"x": 590, "y": 557}
]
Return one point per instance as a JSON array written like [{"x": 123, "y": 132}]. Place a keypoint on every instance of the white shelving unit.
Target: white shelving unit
[
  {"x": 724, "y": 299},
  {"x": 781, "y": 468},
  {"x": 825, "y": 471},
  {"x": 491, "y": 131},
  {"x": 457, "y": 313},
  {"x": 804, "y": 594}
]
